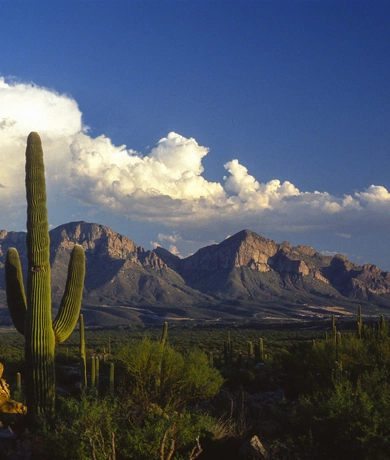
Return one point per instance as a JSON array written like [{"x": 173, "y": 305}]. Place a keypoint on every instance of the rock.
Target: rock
[
  {"x": 12, "y": 407},
  {"x": 9, "y": 409},
  {"x": 4, "y": 387}
]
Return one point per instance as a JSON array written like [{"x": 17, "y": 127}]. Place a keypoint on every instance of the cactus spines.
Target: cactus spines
[{"x": 31, "y": 311}]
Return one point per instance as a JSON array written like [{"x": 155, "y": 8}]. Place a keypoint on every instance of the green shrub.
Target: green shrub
[
  {"x": 163, "y": 376},
  {"x": 85, "y": 429}
]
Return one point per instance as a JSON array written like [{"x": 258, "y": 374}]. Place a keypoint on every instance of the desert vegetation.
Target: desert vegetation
[
  {"x": 311, "y": 391},
  {"x": 208, "y": 390}
]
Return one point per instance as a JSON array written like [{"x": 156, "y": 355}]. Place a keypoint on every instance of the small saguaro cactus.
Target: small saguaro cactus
[
  {"x": 18, "y": 381},
  {"x": 93, "y": 371},
  {"x": 261, "y": 348},
  {"x": 250, "y": 349},
  {"x": 164, "y": 334},
  {"x": 83, "y": 356},
  {"x": 112, "y": 378},
  {"x": 97, "y": 368},
  {"x": 31, "y": 311},
  {"x": 382, "y": 327},
  {"x": 359, "y": 322}
]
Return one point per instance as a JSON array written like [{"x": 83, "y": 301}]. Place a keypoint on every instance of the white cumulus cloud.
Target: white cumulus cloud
[{"x": 165, "y": 186}]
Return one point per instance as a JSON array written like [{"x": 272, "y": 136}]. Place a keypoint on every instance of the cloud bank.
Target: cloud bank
[{"x": 165, "y": 186}]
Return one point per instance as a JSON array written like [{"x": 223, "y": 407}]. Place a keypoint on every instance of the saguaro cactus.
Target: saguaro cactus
[
  {"x": 359, "y": 322},
  {"x": 164, "y": 334},
  {"x": 112, "y": 372},
  {"x": 83, "y": 356},
  {"x": 31, "y": 313}
]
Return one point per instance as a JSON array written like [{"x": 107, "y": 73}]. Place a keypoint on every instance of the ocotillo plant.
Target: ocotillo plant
[{"x": 31, "y": 313}]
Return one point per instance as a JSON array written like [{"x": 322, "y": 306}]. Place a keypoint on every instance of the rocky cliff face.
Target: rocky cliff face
[
  {"x": 245, "y": 266},
  {"x": 246, "y": 248},
  {"x": 296, "y": 269}
]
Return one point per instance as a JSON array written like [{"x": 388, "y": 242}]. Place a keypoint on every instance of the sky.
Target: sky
[{"x": 181, "y": 122}]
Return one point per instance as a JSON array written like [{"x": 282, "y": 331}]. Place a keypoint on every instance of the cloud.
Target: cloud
[
  {"x": 24, "y": 108},
  {"x": 165, "y": 186},
  {"x": 164, "y": 239},
  {"x": 344, "y": 235}
]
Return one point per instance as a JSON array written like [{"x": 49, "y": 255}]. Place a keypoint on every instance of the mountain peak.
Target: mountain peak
[
  {"x": 93, "y": 237},
  {"x": 246, "y": 267}
]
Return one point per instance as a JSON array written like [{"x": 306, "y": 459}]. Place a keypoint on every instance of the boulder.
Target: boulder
[{"x": 8, "y": 405}]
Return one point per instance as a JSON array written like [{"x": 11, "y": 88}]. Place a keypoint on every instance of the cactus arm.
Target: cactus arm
[
  {"x": 69, "y": 311},
  {"x": 16, "y": 297}
]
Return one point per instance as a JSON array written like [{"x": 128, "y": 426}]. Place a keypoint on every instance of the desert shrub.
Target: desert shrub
[
  {"x": 164, "y": 432},
  {"x": 349, "y": 420},
  {"x": 85, "y": 429},
  {"x": 161, "y": 375}
]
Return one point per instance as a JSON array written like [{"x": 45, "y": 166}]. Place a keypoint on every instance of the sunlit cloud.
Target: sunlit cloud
[{"x": 166, "y": 186}]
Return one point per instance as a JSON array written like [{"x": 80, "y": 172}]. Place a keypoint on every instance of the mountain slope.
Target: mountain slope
[
  {"x": 245, "y": 269},
  {"x": 249, "y": 266},
  {"x": 118, "y": 271}
]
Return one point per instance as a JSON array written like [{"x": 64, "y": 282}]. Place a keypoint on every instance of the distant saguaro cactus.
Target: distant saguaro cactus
[
  {"x": 83, "y": 356},
  {"x": 93, "y": 371},
  {"x": 111, "y": 379},
  {"x": 359, "y": 322},
  {"x": 164, "y": 334},
  {"x": 31, "y": 313}
]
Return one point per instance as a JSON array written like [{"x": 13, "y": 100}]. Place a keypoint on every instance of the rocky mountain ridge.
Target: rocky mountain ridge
[{"x": 243, "y": 269}]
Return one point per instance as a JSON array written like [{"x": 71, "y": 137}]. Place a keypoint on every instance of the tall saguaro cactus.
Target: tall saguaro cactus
[{"x": 31, "y": 312}]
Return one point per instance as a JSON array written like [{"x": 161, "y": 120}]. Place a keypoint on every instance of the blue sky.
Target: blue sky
[{"x": 182, "y": 122}]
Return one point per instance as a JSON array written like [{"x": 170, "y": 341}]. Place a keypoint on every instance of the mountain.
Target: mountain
[
  {"x": 242, "y": 276},
  {"x": 247, "y": 266}
]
